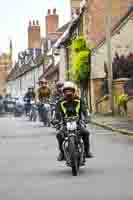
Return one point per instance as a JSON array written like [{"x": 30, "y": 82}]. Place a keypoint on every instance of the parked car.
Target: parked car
[
  {"x": 1, "y": 106},
  {"x": 19, "y": 106},
  {"x": 9, "y": 104}
]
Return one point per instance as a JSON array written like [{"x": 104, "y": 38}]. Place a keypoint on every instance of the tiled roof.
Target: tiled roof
[
  {"x": 19, "y": 71},
  {"x": 70, "y": 29},
  {"x": 67, "y": 34},
  {"x": 51, "y": 70},
  {"x": 63, "y": 28}
]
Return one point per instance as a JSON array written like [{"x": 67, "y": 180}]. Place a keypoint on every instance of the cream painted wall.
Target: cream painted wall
[{"x": 62, "y": 65}]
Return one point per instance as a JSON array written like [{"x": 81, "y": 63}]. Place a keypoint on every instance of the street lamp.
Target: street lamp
[{"x": 108, "y": 6}]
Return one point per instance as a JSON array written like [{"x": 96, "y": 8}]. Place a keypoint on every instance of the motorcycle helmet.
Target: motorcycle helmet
[
  {"x": 59, "y": 84},
  {"x": 31, "y": 87},
  {"x": 69, "y": 89},
  {"x": 69, "y": 85}
]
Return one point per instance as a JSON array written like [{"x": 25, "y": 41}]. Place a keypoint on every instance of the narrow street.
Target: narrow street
[{"x": 29, "y": 170}]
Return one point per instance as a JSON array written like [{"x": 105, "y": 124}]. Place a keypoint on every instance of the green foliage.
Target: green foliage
[
  {"x": 121, "y": 100},
  {"x": 79, "y": 44},
  {"x": 80, "y": 68}
]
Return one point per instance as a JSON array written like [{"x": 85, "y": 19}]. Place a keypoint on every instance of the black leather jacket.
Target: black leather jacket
[
  {"x": 29, "y": 96},
  {"x": 70, "y": 107}
]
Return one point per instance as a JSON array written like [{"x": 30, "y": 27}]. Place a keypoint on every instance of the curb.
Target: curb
[{"x": 122, "y": 131}]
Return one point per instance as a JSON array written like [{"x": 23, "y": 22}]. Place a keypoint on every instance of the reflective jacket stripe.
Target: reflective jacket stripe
[{"x": 65, "y": 110}]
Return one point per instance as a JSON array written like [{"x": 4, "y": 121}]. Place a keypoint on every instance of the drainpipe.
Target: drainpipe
[
  {"x": 109, "y": 53},
  {"x": 34, "y": 77},
  {"x": 20, "y": 85},
  {"x": 90, "y": 99},
  {"x": 67, "y": 62}
]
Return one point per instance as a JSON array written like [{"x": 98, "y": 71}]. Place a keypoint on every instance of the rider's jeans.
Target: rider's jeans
[{"x": 40, "y": 110}]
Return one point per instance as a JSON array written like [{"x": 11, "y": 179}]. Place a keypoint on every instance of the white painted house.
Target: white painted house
[{"x": 24, "y": 75}]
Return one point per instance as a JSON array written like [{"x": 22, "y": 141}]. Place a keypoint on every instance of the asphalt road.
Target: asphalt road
[{"x": 29, "y": 170}]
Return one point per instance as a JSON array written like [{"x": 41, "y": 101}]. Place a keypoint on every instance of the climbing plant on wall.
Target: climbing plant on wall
[{"x": 80, "y": 67}]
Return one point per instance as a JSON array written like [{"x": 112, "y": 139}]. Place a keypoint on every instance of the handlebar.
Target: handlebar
[
  {"x": 59, "y": 124},
  {"x": 68, "y": 119}
]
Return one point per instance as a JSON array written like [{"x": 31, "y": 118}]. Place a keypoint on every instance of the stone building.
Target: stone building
[
  {"x": 75, "y": 5},
  {"x": 122, "y": 44},
  {"x": 5, "y": 68},
  {"x": 96, "y": 29}
]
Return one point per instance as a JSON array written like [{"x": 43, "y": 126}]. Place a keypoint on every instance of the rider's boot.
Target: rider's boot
[
  {"x": 61, "y": 153},
  {"x": 88, "y": 153},
  {"x": 60, "y": 156}
]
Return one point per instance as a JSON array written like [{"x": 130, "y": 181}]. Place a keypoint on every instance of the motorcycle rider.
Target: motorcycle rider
[
  {"x": 43, "y": 94},
  {"x": 71, "y": 105},
  {"x": 29, "y": 96},
  {"x": 57, "y": 95},
  {"x": 44, "y": 90},
  {"x": 58, "y": 92}
]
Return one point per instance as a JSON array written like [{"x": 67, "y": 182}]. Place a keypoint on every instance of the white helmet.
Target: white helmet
[{"x": 69, "y": 85}]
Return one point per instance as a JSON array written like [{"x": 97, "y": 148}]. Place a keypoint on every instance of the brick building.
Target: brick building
[
  {"x": 94, "y": 18},
  {"x": 52, "y": 71},
  {"x": 96, "y": 14}
]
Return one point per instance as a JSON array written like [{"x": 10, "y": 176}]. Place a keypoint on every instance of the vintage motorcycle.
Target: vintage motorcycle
[
  {"x": 46, "y": 113},
  {"x": 53, "y": 109},
  {"x": 73, "y": 145},
  {"x": 33, "y": 112}
]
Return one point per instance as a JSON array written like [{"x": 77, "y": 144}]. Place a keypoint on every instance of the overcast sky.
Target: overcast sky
[{"x": 15, "y": 15}]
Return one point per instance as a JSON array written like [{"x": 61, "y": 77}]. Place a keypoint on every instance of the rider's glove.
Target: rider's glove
[
  {"x": 87, "y": 120},
  {"x": 55, "y": 122}
]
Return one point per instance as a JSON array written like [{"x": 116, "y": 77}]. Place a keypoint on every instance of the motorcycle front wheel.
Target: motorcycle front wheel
[{"x": 73, "y": 156}]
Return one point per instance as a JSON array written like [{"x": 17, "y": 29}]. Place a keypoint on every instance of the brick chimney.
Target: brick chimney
[
  {"x": 52, "y": 21},
  {"x": 34, "y": 36}
]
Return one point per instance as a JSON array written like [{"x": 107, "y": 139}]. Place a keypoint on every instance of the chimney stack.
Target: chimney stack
[
  {"x": 34, "y": 35},
  {"x": 54, "y": 11},
  {"x": 52, "y": 22},
  {"x": 49, "y": 11}
]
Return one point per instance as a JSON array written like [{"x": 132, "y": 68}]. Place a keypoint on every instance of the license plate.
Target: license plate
[
  {"x": 71, "y": 126},
  {"x": 10, "y": 106}
]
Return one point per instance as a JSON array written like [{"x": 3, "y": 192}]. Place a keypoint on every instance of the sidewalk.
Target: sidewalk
[{"x": 117, "y": 124}]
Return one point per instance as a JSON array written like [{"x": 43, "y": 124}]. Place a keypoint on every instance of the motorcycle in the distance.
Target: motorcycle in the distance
[
  {"x": 53, "y": 111},
  {"x": 73, "y": 145},
  {"x": 18, "y": 110},
  {"x": 46, "y": 113},
  {"x": 2, "y": 111},
  {"x": 27, "y": 106}
]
